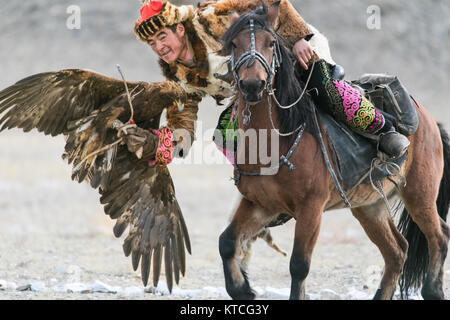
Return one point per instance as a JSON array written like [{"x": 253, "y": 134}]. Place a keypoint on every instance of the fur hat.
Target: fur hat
[{"x": 156, "y": 15}]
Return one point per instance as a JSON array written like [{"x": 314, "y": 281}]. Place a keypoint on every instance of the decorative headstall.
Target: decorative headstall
[{"x": 252, "y": 55}]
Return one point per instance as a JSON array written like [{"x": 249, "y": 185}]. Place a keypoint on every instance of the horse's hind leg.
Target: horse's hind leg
[
  {"x": 381, "y": 230},
  {"x": 247, "y": 221},
  {"x": 423, "y": 191},
  {"x": 419, "y": 198}
]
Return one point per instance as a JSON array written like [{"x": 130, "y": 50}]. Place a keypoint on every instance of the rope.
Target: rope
[
  {"x": 269, "y": 110},
  {"x": 117, "y": 124},
  {"x": 107, "y": 147},
  {"x": 128, "y": 93},
  {"x": 377, "y": 163},
  {"x": 271, "y": 92}
]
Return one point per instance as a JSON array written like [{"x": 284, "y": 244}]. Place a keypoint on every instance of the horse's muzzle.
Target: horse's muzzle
[{"x": 252, "y": 89}]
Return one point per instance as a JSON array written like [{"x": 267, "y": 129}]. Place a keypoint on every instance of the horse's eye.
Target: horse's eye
[
  {"x": 272, "y": 44},
  {"x": 233, "y": 45}
]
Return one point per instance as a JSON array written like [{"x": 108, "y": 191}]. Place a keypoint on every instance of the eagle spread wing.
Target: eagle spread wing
[{"x": 85, "y": 106}]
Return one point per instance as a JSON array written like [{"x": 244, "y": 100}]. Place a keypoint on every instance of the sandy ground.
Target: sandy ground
[{"x": 55, "y": 237}]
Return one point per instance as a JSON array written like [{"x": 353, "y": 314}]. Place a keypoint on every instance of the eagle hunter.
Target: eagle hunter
[{"x": 86, "y": 108}]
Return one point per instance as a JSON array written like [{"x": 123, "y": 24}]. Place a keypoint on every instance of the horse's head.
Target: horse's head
[
  {"x": 255, "y": 51},
  {"x": 260, "y": 62}
]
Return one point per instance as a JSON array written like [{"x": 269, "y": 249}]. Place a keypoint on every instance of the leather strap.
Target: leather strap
[{"x": 328, "y": 163}]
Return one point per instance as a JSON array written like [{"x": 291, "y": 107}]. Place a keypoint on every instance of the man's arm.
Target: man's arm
[
  {"x": 182, "y": 123},
  {"x": 291, "y": 25}
]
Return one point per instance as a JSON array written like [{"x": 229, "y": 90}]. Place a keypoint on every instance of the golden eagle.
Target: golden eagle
[{"x": 85, "y": 107}]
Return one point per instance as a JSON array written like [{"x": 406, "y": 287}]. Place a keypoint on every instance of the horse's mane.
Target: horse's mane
[{"x": 286, "y": 83}]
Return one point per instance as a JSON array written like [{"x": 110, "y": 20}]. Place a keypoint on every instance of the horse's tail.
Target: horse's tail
[{"x": 416, "y": 264}]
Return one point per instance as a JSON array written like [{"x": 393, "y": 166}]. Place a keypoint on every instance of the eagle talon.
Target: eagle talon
[{"x": 123, "y": 129}]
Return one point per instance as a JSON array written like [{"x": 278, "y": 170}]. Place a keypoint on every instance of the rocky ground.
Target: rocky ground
[{"x": 56, "y": 242}]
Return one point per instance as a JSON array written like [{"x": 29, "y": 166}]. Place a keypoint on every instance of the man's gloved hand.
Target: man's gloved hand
[{"x": 141, "y": 142}]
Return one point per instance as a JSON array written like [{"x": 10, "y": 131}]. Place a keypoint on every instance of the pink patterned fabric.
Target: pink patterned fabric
[
  {"x": 351, "y": 98},
  {"x": 165, "y": 146},
  {"x": 229, "y": 154},
  {"x": 377, "y": 124}
]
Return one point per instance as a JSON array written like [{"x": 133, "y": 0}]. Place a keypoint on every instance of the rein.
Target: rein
[
  {"x": 253, "y": 55},
  {"x": 271, "y": 91}
]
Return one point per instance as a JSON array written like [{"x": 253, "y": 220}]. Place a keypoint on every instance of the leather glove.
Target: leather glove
[{"x": 141, "y": 142}]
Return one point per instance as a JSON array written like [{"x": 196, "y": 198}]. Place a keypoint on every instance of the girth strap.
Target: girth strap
[
  {"x": 284, "y": 160},
  {"x": 327, "y": 162}
]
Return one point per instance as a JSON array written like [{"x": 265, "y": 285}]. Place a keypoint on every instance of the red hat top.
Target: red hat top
[
  {"x": 156, "y": 15},
  {"x": 150, "y": 9}
]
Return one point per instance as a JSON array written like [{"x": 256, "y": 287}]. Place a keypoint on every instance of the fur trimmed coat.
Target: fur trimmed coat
[{"x": 204, "y": 32}]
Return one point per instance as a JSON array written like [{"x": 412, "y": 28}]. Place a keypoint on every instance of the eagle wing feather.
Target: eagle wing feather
[{"x": 83, "y": 105}]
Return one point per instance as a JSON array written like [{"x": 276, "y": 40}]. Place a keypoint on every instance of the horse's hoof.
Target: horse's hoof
[
  {"x": 243, "y": 295},
  {"x": 430, "y": 293},
  {"x": 243, "y": 292},
  {"x": 379, "y": 296}
]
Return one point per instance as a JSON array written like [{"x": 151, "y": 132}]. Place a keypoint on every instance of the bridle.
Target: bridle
[{"x": 252, "y": 55}]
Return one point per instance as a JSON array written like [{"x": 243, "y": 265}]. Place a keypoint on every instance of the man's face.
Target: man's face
[{"x": 168, "y": 45}]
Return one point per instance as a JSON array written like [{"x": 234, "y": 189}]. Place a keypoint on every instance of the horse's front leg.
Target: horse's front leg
[
  {"x": 247, "y": 221},
  {"x": 307, "y": 229}
]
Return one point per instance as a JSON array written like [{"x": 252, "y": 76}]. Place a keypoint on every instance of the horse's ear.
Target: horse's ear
[
  {"x": 233, "y": 15},
  {"x": 273, "y": 14}
]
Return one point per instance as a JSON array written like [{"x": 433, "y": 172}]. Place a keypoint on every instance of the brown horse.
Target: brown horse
[{"x": 304, "y": 188}]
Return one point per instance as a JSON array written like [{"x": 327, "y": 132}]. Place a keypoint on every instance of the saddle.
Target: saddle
[
  {"x": 352, "y": 154},
  {"x": 389, "y": 95}
]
